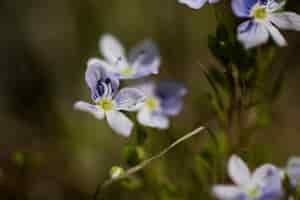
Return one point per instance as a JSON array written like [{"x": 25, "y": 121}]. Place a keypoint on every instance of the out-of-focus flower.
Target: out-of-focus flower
[
  {"x": 142, "y": 60},
  {"x": 163, "y": 99},
  {"x": 108, "y": 100},
  {"x": 263, "y": 184},
  {"x": 292, "y": 170},
  {"x": 196, "y": 4},
  {"x": 265, "y": 19}
]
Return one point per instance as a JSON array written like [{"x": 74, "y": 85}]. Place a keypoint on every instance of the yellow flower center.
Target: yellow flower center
[
  {"x": 127, "y": 71},
  {"x": 152, "y": 103},
  {"x": 253, "y": 192},
  {"x": 259, "y": 12},
  {"x": 105, "y": 104}
]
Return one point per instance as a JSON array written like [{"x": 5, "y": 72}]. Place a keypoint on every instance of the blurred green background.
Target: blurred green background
[{"x": 50, "y": 151}]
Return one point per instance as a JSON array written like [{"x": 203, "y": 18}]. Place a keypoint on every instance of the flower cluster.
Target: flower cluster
[
  {"x": 265, "y": 182},
  {"x": 263, "y": 19},
  {"x": 154, "y": 102}
]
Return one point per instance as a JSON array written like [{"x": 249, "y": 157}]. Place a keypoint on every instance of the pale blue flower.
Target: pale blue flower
[
  {"x": 142, "y": 60},
  {"x": 108, "y": 101},
  {"x": 263, "y": 184},
  {"x": 292, "y": 170},
  {"x": 196, "y": 4},
  {"x": 163, "y": 99},
  {"x": 265, "y": 17}
]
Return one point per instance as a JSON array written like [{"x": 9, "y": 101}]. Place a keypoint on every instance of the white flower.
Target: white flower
[
  {"x": 265, "y": 17},
  {"x": 142, "y": 60},
  {"x": 108, "y": 101},
  {"x": 163, "y": 99},
  {"x": 263, "y": 184}
]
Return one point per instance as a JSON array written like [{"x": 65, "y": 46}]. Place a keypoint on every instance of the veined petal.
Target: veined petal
[
  {"x": 252, "y": 34},
  {"x": 226, "y": 192},
  {"x": 238, "y": 171},
  {"x": 129, "y": 99},
  {"x": 276, "y": 35},
  {"x": 286, "y": 20},
  {"x": 195, "y": 4},
  {"x": 242, "y": 8},
  {"x": 100, "y": 82},
  {"x": 99, "y": 62},
  {"x": 95, "y": 71},
  {"x": 152, "y": 119},
  {"x": 86, "y": 107},
  {"x": 119, "y": 122},
  {"x": 111, "y": 48}
]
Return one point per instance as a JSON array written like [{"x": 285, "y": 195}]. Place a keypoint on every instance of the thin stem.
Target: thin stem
[{"x": 145, "y": 163}]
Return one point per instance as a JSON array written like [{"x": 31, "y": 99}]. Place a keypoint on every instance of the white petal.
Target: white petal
[
  {"x": 151, "y": 119},
  {"x": 94, "y": 72},
  {"x": 129, "y": 99},
  {"x": 286, "y": 20},
  {"x": 276, "y": 35},
  {"x": 195, "y": 4},
  {"x": 148, "y": 88},
  {"x": 119, "y": 122},
  {"x": 98, "y": 62},
  {"x": 238, "y": 170},
  {"x": 111, "y": 48},
  {"x": 275, "y": 5},
  {"x": 226, "y": 192},
  {"x": 252, "y": 34},
  {"x": 260, "y": 174},
  {"x": 86, "y": 107}
]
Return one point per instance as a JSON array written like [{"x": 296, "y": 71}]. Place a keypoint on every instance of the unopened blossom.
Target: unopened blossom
[
  {"x": 265, "y": 17},
  {"x": 141, "y": 61},
  {"x": 108, "y": 101},
  {"x": 196, "y": 4},
  {"x": 263, "y": 184},
  {"x": 163, "y": 99}
]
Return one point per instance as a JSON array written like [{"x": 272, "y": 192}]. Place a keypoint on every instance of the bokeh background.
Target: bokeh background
[{"x": 50, "y": 151}]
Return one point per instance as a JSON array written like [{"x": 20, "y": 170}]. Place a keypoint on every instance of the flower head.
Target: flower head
[
  {"x": 196, "y": 4},
  {"x": 263, "y": 184},
  {"x": 163, "y": 99},
  {"x": 108, "y": 101},
  {"x": 265, "y": 17},
  {"x": 142, "y": 60}
]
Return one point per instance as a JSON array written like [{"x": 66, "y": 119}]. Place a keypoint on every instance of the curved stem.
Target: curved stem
[{"x": 145, "y": 163}]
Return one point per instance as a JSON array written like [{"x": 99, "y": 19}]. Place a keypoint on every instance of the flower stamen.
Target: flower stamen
[
  {"x": 105, "y": 104},
  {"x": 259, "y": 12}
]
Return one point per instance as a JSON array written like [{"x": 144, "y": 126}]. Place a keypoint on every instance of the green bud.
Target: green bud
[{"x": 116, "y": 172}]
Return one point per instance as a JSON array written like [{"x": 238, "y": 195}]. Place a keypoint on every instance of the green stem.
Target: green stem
[{"x": 137, "y": 168}]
